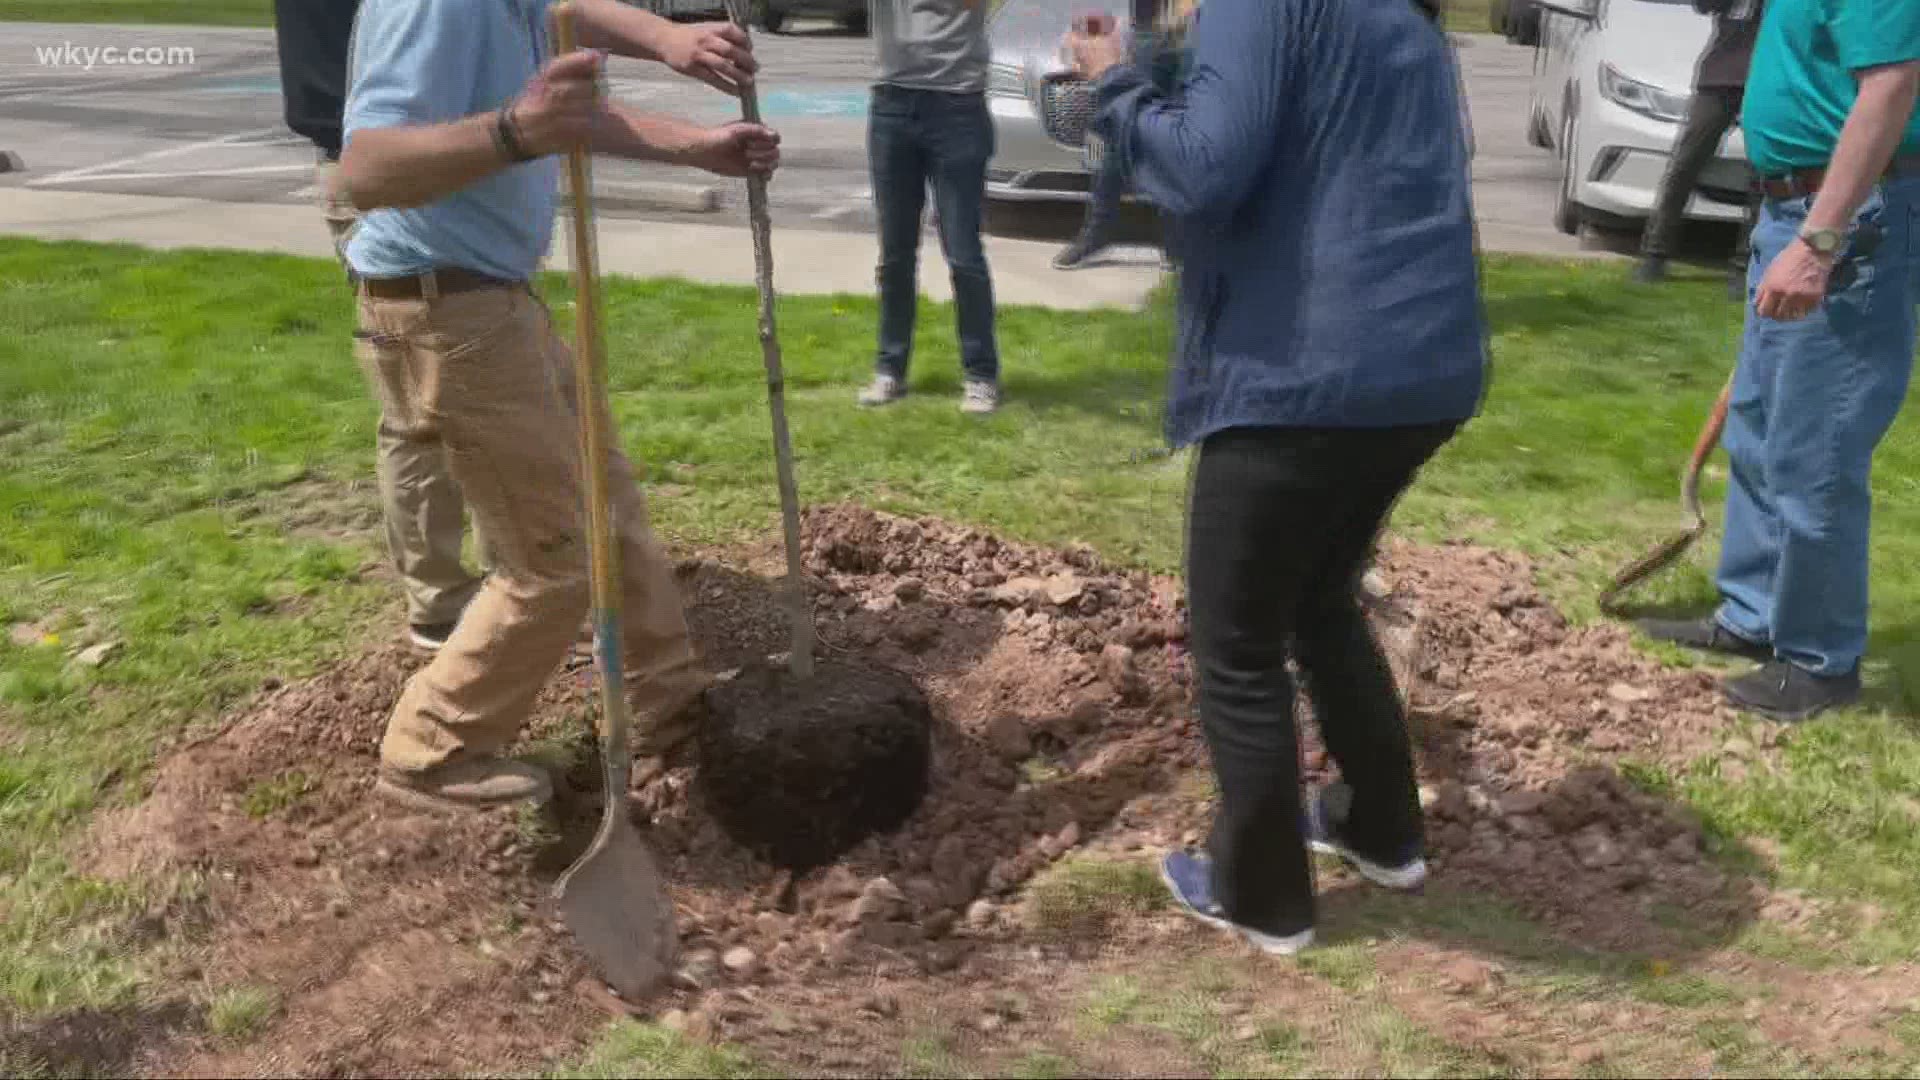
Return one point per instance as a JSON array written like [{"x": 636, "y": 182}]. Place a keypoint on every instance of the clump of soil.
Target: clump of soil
[
  {"x": 1059, "y": 714},
  {"x": 799, "y": 770}
]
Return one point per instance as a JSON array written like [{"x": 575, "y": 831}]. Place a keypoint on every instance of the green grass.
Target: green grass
[
  {"x": 1042, "y": 1065},
  {"x": 1348, "y": 965},
  {"x": 275, "y": 795},
  {"x": 1115, "y": 1000},
  {"x": 1084, "y": 892},
  {"x": 239, "y": 1013},
  {"x": 650, "y": 1052},
  {"x": 185, "y": 12},
  {"x": 1468, "y": 16},
  {"x": 930, "y": 1054}
]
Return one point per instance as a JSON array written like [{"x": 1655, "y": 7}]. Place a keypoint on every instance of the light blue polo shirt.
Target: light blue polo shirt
[
  {"x": 435, "y": 61},
  {"x": 1801, "y": 85}
]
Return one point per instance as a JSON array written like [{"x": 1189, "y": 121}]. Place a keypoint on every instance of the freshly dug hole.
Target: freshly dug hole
[{"x": 798, "y": 771}]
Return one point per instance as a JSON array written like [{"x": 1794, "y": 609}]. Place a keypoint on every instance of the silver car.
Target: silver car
[
  {"x": 1040, "y": 108},
  {"x": 853, "y": 15},
  {"x": 683, "y": 9}
]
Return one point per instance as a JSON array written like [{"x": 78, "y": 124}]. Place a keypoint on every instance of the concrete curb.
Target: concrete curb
[
  {"x": 654, "y": 195},
  {"x": 11, "y": 162}
]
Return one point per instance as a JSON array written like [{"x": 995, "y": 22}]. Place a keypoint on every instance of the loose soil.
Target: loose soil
[{"x": 1059, "y": 687}]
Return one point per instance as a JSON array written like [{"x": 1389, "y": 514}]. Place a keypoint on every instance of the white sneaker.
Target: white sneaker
[
  {"x": 979, "y": 397},
  {"x": 883, "y": 390}
]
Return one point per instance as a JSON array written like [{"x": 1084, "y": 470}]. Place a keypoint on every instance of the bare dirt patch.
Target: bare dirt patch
[{"x": 1060, "y": 693}]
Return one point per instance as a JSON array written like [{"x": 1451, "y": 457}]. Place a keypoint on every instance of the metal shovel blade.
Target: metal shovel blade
[{"x": 615, "y": 903}]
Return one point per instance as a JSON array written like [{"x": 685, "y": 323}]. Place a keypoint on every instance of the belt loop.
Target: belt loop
[{"x": 430, "y": 286}]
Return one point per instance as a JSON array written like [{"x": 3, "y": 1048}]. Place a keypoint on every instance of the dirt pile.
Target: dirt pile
[{"x": 1059, "y": 690}]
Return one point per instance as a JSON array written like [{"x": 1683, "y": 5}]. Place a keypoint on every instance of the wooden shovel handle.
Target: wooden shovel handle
[{"x": 595, "y": 413}]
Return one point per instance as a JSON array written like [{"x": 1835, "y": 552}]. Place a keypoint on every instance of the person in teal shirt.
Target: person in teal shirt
[{"x": 1833, "y": 284}]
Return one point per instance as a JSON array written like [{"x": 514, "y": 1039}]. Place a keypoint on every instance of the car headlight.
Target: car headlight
[
  {"x": 1643, "y": 98},
  {"x": 1006, "y": 80}
]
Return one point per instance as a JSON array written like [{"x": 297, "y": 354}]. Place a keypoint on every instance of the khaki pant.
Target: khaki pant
[
  {"x": 483, "y": 373},
  {"x": 424, "y": 514}
]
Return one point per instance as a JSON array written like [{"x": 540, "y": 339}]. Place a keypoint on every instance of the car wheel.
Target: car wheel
[
  {"x": 855, "y": 23},
  {"x": 773, "y": 20},
  {"x": 1523, "y": 23},
  {"x": 1566, "y": 210}
]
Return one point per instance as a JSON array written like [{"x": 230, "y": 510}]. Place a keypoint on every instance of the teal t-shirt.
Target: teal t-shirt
[
  {"x": 1801, "y": 85},
  {"x": 435, "y": 61}
]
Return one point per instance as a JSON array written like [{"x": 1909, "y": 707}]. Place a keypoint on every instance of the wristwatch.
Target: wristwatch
[{"x": 1823, "y": 241}]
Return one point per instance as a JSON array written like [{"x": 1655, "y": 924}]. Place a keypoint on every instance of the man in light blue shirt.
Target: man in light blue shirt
[{"x": 454, "y": 116}]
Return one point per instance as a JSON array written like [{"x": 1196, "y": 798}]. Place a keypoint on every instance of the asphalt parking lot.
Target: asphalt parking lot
[{"x": 209, "y": 126}]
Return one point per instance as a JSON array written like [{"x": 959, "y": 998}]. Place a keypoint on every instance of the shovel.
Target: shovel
[
  {"x": 799, "y": 611},
  {"x": 1668, "y": 551},
  {"x": 613, "y": 898}
]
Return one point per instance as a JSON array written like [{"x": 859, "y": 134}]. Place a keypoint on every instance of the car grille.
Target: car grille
[{"x": 1066, "y": 110}]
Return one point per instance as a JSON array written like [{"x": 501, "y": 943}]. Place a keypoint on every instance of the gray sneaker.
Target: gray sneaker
[
  {"x": 979, "y": 396},
  {"x": 470, "y": 784},
  {"x": 883, "y": 390}
]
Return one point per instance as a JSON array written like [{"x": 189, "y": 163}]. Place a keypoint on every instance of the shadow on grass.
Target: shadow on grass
[
  {"x": 1602, "y": 872},
  {"x": 93, "y": 1042}
]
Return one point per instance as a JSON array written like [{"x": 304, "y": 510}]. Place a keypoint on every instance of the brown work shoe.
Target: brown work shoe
[{"x": 475, "y": 783}]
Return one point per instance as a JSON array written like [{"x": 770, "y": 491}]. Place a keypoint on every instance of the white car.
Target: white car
[{"x": 1612, "y": 80}]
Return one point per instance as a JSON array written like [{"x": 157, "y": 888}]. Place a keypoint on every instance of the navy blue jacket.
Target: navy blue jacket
[{"x": 1315, "y": 159}]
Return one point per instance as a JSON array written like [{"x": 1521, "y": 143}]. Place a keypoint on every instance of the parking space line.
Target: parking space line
[
  {"x": 90, "y": 171},
  {"x": 107, "y": 86},
  {"x": 185, "y": 174}
]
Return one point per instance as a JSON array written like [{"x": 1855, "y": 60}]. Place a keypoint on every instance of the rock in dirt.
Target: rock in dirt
[
  {"x": 741, "y": 962},
  {"x": 97, "y": 655},
  {"x": 1019, "y": 590},
  {"x": 919, "y": 634},
  {"x": 1465, "y": 975},
  {"x": 1684, "y": 847},
  {"x": 1063, "y": 589},
  {"x": 880, "y": 901},
  {"x": 1119, "y": 670},
  {"x": 1450, "y": 802},
  {"x": 1596, "y": 848},
  {"x": 1007, "y": 736},
  {"x": 1061, "y": 842},
  {"x": 1628, "y": 693},
  {"x": 909, "y": 589},
  {"x": 940, "y": 923},
  {"x": 980, "y": 914}
]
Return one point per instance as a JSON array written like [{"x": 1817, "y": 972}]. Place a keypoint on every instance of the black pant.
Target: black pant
[
  {"x": 1279, "y": 528},
  {"x": 1714, "y": 110}
]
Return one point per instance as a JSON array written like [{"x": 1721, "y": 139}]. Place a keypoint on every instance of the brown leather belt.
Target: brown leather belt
[
  {"x": 1808, "y": 181},
  {"x": 433, "y": 284}
]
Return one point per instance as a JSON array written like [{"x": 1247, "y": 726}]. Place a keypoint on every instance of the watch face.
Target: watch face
[{"x": 1825, "y": 241}]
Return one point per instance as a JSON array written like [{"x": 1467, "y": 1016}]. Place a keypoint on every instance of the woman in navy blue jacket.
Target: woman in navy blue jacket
[{"x": 1330, "y": 342}]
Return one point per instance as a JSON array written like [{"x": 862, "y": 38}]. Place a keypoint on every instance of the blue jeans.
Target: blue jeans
[
  {"x": 916, "y": 138},
  {"x": 1103, "y": 199},
  {"x": 1811, "y": 400}
]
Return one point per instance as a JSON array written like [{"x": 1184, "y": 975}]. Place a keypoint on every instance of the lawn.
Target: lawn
[
  {"x": 159, "y": 12},
  {"x": 187, "y": 446}
]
